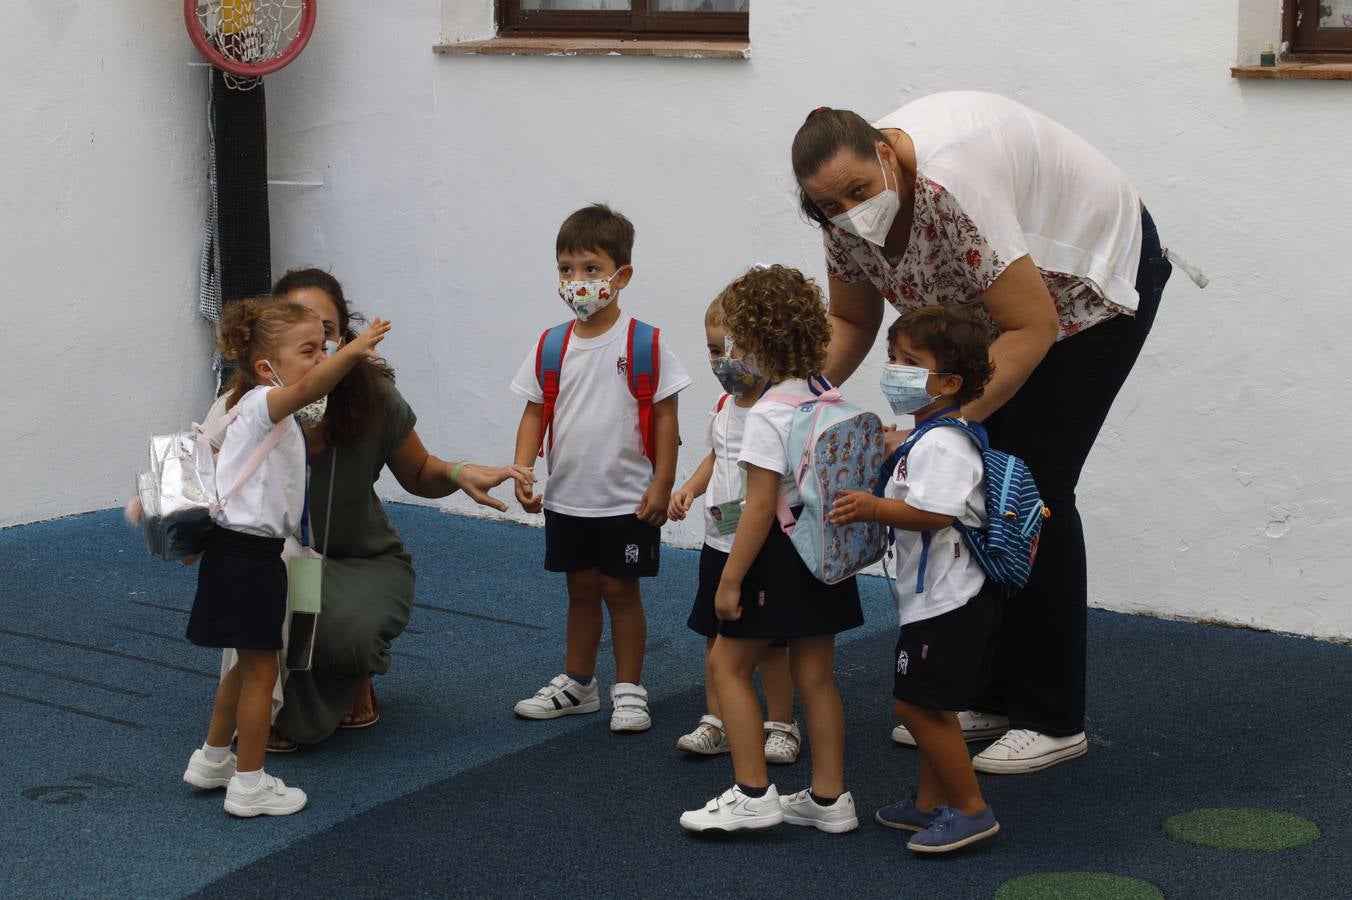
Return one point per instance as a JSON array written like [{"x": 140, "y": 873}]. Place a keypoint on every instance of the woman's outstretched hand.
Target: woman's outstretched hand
[{"x": 477, "y": 481}]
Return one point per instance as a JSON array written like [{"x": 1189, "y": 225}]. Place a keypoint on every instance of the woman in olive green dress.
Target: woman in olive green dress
[{"x": 368, "y": 575}]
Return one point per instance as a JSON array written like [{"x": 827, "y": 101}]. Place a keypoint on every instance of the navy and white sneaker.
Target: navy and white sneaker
[
  {"x": 561, "y": 697},
  {"x": 952, "y": 828},
  {"x": 904, "y": 815}
]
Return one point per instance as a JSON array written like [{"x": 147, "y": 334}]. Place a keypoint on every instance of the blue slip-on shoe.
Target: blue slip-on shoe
[
  {"x": 952, "y": 829},
  {"x": 903, "y": 814}
]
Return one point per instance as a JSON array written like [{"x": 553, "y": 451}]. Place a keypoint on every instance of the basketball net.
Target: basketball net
[{"x": 249, "y": 31}]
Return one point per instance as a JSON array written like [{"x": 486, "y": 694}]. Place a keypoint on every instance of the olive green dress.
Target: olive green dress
[{"x": 368, "y": 579}]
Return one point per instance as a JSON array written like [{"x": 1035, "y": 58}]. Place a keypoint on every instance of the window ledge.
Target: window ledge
[
  {"x": 596, "y": 46},
  {"x": 1297, "y": 71}
]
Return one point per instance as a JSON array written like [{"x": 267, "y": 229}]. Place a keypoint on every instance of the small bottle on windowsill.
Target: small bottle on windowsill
[{"x": 1269, "y": 56}]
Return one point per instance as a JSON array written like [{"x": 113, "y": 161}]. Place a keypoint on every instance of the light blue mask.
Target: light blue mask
[{"x": 905, "y": 388}]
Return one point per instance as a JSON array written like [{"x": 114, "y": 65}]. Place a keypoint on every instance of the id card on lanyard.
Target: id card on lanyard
[{"x": 727, "y": 514}]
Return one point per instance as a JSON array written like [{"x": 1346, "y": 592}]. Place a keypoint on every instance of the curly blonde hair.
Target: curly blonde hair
[
  {"x": 778, "y": 314},
  {"x": 249, "y": 329}
]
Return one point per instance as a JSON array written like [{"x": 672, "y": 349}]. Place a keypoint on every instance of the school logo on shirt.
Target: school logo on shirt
[
  {"x": 903, "y": 662},
  {"x": 631, "y": 553},
  {"x": 622, "y": 367}
]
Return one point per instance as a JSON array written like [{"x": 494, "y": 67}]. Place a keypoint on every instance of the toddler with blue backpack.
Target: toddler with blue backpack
[{"x": 965, "y": 518}]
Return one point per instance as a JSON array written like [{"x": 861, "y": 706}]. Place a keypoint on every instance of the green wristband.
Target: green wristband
[{"x": 455, "y": 473}]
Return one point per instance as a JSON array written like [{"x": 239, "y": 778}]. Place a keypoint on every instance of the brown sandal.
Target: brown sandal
[
  {"x": 280, "y": 743},
  {"x": 351, "y": 723}
]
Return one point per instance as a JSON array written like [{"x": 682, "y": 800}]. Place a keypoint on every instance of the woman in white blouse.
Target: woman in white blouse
[{"x": 972, "y": 199}]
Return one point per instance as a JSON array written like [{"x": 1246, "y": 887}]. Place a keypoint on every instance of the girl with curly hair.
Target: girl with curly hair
[{"x": 777, "y": 318}]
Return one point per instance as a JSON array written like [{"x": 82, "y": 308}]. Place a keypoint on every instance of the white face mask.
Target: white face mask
[
  {"x": 872, "y": 219},
  {"x": 310, "y": 415},
  {"x": 331, "y": 347},
  {"x": 587, "y": 298}
]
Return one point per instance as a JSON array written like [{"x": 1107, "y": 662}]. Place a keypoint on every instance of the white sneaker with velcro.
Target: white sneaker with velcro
[
  {"x": 733, "y": 811},
  {"x": 207, "y": 775},
  {"x": 561, "y": 697},
  {"x": 271, "y": 797},
  {"x": 629, "y": 707}
]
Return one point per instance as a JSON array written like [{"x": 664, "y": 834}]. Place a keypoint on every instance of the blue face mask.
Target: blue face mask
[{"x": 905, "y": 388}]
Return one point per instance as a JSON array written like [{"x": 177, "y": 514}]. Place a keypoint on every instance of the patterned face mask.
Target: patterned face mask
[
  {"x": 587, "y": 298},
  {"x": 736, "y": 376},
  {"x": 311, "y": 415}
]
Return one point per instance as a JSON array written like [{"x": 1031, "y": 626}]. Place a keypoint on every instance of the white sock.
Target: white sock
[
  {"x": 249, "y": 780},
  {"x": 216, "y": 754}
]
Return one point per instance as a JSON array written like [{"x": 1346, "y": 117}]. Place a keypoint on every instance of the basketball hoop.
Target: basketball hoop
[{"x": 247, "y": 39}]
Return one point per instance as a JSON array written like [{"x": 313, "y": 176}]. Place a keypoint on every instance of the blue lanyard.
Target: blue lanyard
[{"x": 305, "y": 510}]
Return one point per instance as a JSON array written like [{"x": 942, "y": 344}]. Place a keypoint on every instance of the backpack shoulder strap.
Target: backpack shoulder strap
[
  {"x": 645, "y": 361},
  {"x": 548, "y": 364}
]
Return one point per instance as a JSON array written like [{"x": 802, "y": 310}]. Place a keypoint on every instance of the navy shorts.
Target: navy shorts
[
  {"x": 620, "y": 546},
  {"x": 944, "y": 662}
]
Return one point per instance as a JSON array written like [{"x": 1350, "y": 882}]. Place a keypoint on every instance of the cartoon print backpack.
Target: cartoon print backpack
[
  {"x": 644, "y": 358},
  {"x": 836, "y": 446},
  {"x": 1006, "y": 548}
]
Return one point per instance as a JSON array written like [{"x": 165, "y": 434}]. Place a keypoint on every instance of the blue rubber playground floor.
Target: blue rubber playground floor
[{"x": 102, "y": 700}]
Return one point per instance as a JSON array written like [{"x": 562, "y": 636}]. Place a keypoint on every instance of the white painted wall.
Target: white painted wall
[
  {"x": 1218, "y": 489},
  {"x": 102, "y": 197}
]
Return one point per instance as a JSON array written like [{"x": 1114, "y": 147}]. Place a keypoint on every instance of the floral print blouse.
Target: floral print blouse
[{"x": 948, "y": 261}]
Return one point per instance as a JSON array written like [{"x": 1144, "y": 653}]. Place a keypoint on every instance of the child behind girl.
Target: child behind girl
[
  {"x": 766, "y": 591},
  {"x": 719, "y": 475},
  {"x": 281, "y": 373},
  {"x": 938, "y": 359}
]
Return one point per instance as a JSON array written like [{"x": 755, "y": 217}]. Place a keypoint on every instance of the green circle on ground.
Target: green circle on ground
[
  {"x": 1077, "y": 886},
  {"x": 1242, "y": 828}
]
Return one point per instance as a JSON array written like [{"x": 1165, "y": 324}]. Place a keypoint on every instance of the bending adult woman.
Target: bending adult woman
[
  {"x": 368, "y": 575},
  {"x": 972, "y": 199}
]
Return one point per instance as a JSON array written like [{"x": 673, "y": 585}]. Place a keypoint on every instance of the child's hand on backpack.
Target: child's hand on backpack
[
  {"x": 728, "y": 602},
  {"x": 681, "y": 501},
  {"x": 854, "y": 506},
  {"x": 530, "y": 501},
  {"x": 365, "y": 344},
  {"x": 653, "y": 509}
]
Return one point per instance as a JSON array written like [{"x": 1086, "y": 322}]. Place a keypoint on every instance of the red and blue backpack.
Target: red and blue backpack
[{"x": 644, "y": 363}]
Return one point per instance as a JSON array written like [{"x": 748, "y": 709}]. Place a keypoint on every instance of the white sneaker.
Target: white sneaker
[
  {"x": 629, "y": 707},
  {"x": 1021, "y": 750},
  {"x": 561, "y": 697},
  {"x": 732, "y": 811},
  {"x": 782, "y": 740},
  {"x": 976, "y": 726},
  {"x": 838, "y": 818},
  {"x": 270, "y": 798},
  {"x": 207, "y": 775},
  {"x": 701, "y": 740}
]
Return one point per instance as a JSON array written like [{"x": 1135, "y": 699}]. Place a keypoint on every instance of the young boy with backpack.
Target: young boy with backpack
[
  {"x": 600, "y": 394},
  {"x": 959, "y": 546}
]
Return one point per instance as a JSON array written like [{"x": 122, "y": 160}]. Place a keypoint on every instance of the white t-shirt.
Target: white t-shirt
[
  {"x": 942, "y": 473},
  {"x": 1030, "y": 186},
  {"x": 596, "y": 465},
  {"x": 726, "y": 427},
  {"x": 271, "y": 502},
  {"x": 765, "y": 440}
]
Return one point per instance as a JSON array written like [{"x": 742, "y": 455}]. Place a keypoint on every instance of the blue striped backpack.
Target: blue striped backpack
[{"x": 1006, "y": 547}]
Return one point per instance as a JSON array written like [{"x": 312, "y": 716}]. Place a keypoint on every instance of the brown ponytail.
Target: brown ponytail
[
  {"x": 822, "y": 135},
  {"x": 249, "y": 330}
]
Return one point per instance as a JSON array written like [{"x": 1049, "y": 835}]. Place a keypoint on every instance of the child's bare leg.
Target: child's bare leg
[
  {"x": 778, "y": 684},
  {"x": 253, "y": 714},
  {"x": 628, "y": 626},
  {"x": 939, "y": 737},
  {"x": 732, "y": 662},
  {"x": 584, "y": 622},
  {"x": 810, "y": 660},
  {"x": 710, "y": 693},
  {"x": 222, "y": 729}
]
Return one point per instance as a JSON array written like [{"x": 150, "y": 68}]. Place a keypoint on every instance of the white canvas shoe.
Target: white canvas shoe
[
  {"x": 1021, "y": 750},
  {"x": 976, "y": 726},
  {"x": 561, "y": 697},
  {"x": 733, "y": 811}
]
